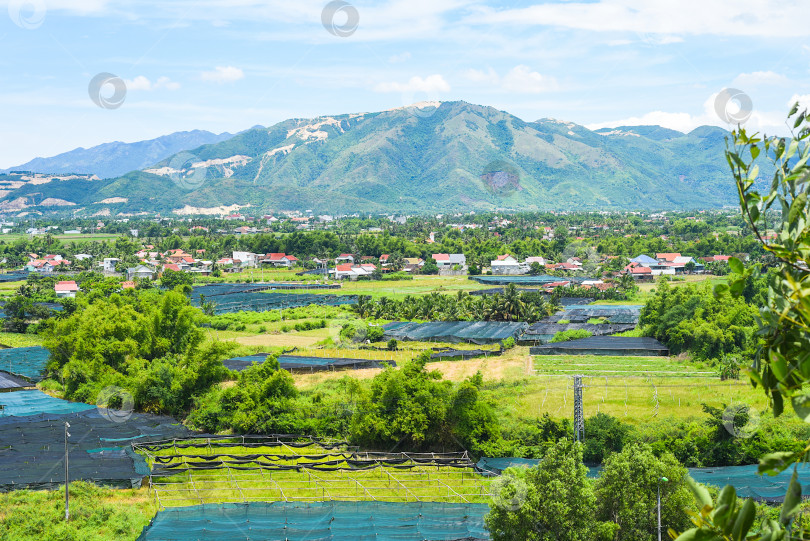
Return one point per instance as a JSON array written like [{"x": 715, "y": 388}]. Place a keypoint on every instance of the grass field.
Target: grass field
[
  {"x": 373, "y": 481},
  {"x": 96, "y": 514},
  {"x": 17, "y": 340}
]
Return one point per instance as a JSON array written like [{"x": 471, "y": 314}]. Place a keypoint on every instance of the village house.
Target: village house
[{"x": 66, "y": 289}]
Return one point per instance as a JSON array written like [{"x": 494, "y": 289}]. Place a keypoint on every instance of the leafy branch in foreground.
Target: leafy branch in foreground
[{"x": 782, "y": 365}]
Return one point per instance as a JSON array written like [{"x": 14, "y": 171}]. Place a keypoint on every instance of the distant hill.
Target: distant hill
[
  {"x": 454, "y": 157},
  {"x": 115, "y": 159}
]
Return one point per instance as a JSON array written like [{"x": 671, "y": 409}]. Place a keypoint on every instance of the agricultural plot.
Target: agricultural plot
[
  {"x": 635, "y": 389},
  {"x": 292, "y": 469}
]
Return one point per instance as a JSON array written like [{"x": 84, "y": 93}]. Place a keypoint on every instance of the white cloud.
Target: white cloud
[
  {"x": 803, "y": 99},
  {"x": 767, "y": 18},
  {"x": 431, "y": 84},
  {"x": 760, "y": 78},
  {"x": 758, "y": 121},
  {"x": 398, "y": 58},
  {"x": 223, "y": 74},
  {"x": 522, "y": 79},
  {"x": 479, "y": 76},
  {"x": 519, "y": 79},
  {"x": 143, "y": 83}
]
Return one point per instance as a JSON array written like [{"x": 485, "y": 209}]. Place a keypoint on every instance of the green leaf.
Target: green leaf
[
  {"x": 699, "y": 492},
  {"x": 774, "y": 463},
  {"x": 745, "y": 519},
  {"x": 793, "y": 499},
  {"x": 794, "y": 109},
  {"x": 699, "y": 534},
  {"x": 736, "y": 265},
  {"x": 801, "y": 405},
  {"x": 754, "y": 152},
  {"x": 720, "y": 289},
  {"x": 726, "y": 502}
]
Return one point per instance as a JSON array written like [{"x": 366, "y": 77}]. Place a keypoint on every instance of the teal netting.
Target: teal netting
[
  {"x": 33, "y": 402},
  {"x": 745, "y": 479},
  {"x": 28, "y": 362},
  {"x": 479, "y": 332},
  {"x": 321, "y": 521}
]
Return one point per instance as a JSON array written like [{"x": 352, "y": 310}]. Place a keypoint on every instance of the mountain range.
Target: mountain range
[
  {"x": 115, "y": 159},
  {"x": 443, "y": 157}
]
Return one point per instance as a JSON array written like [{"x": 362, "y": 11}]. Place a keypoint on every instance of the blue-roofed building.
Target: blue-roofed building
[{"x": 644, "y": 260}]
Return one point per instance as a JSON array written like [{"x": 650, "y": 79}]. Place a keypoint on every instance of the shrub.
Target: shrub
[{"x": 572, "y": 334}]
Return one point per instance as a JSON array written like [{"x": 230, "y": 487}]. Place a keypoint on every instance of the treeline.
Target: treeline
[
  {"x": 692, "y": 318},
  {"x": 512, "y": 305}
]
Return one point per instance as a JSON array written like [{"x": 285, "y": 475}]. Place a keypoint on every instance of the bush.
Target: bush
[
  {"x": 392, "y": 344},
  {"x": 572, "y": 334},
  {"x": 509, "y": 343}
]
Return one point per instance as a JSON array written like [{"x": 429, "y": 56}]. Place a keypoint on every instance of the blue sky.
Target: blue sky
[{"x": 229, "y": 65}]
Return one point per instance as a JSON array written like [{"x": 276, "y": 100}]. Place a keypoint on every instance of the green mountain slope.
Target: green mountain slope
[{"x": 457, "y": 157}]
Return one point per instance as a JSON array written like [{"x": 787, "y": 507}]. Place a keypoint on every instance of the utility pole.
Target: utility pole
[
  {"x": 67, "y": 495},
  {"x": 664, "y": 480},
  {"x": 579, "y": 419}
]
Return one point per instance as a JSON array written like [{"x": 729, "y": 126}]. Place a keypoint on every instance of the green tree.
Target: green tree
[
  {"x": 430, "y": 267},
  {"x": 626, "y": 492},
  {"x": 172, "y": 279},
  {"x": 553, "y": 501}
]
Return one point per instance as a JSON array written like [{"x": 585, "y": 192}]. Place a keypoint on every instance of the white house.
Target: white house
[
  {"x": 450, "y": 260},
  {"x": 66, "y": 289},
  {"x": 109, "y": 264},
  {"x": 141, "y": 271},
  {"x": 506, "y": 264},
  {"x": 248, "y": 259}
]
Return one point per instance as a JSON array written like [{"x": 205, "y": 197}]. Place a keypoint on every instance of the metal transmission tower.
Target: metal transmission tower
[{"x": 579, "y": 418}]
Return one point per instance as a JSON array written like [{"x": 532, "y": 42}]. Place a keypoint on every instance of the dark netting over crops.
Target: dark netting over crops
[
  {"x": 544, "y": 332},
  {"x": 306, "y": 363},
  {"x": 217, "y": 290},
  {"x": 463, "y": 353},
  {"x": 32, "y": 449},
  {"x": 478, "y": 332},
  {"x": 13, "y": 276},
  {"x": 565, "y": 301},
  {"x": 9, "y": 382},
  {"x": 35, "y": 402},
  {"x": 604, "y": 345},
  {"x": 321, "y": 521},
  {"x": 236, "y": 299},
  {"x": 28, "y": 362},
  {"x": 525, "y": 280}
]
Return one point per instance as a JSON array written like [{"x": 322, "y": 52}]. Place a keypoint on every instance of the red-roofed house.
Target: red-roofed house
[
  {"x": 172, "y": 267},
  {"x": 279, "y": 260},
  {"x": 129, "y": 284},
  {"x": 66, "y": 289},
  {"x": 667, "y": 257},
  {"x": 344, "y": 258}
]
